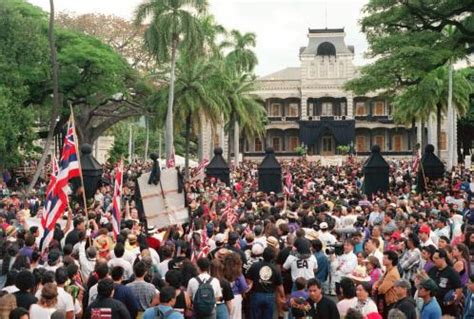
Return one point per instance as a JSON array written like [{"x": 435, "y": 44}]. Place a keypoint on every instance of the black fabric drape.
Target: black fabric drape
[{"x": 342, "y": 130}]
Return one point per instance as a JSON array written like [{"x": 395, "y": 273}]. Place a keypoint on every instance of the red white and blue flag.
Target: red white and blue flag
[
  {"x": 288, "y": 188},
  {"x": 116, "y": 200},
  {"x": 57, "y": 199}
]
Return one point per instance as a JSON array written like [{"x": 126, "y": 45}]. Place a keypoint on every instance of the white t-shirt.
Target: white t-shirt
[
  {"x": 193, "y": 285},
  {"x": 65, "y": 301},
  {"x": 163, "y": 267},
  {"x": 344, "y": 265},
  {"x": 127, "y": 267},
  {"x": 344, "y": 305},
  {"x": 38, "y": 312},
  {"x": 301, "y": 267}
]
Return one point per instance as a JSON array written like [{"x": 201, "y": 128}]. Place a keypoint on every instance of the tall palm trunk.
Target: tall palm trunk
[
  {"x": 236, "y": 143},
  {"x": 438, "y": 128},
  {"x": 186, "y": 147},
  {"x": 169, "y": 138},
  {"x": 56, "y": 99}
]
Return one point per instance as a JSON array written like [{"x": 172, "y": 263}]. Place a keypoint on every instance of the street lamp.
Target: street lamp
[{"x": 91, "y": 170}]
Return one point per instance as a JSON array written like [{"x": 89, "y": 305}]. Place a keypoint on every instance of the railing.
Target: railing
[{"x": 375, "y": 118}]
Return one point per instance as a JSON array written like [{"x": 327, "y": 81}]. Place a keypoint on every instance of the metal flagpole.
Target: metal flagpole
[
  {"x": 76, "y": 141},
  {"x": 130, "y": 144}
]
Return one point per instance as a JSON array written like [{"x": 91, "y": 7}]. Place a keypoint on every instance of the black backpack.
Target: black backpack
[
  {"x": 160, "y": 315},
  {"x": 204, "y": 300}
]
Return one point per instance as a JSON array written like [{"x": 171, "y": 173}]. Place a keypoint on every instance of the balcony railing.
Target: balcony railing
[{"x": 375, "y": 118}]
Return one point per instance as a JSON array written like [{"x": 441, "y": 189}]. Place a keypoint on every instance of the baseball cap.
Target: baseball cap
[
  {"x": 220, "y": 238},
  {"x": 396, "y": 235},
  {"x": 429, "y": 284},
  {"x": 403, "y": 283},
  {"x": 424, "y": 229},
  {"x": 257, "y": 249},
  {"x": 323, "y": 225}
]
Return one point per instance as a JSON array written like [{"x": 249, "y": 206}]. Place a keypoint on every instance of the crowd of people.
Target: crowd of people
[{"x": 320, "y": 249}]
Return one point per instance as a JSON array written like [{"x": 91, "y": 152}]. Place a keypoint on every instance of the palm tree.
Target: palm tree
[
  {"x": 197, "y": 96},
  {"x": 174, "y": 27},
  {"x": 242, "y": 55},
  {"x": 431, "y": 96},
  {"x": 243, "y": 108}
]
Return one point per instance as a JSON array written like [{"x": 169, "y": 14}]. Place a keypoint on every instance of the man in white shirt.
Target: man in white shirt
[
  {"x": 325, "y": 236},
  {"x": 303, "y": 264},
  {"x": 343, "y": 265},
  {"x": 118, "y": 260},
  {"x": 442, "y": 229},
  {"x": 193, "y": 285},
  {"x": 371, "y": 248}
]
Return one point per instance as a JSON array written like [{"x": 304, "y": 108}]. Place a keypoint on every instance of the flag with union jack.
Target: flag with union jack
[
  {"x": 288, "y": 184},
  {"x": 116, "y": 200},
  {"x": 56, "y": 198}
]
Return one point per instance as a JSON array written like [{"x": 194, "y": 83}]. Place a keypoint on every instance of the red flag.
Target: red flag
[
  {"x": 116, "y": 200},
  {"x": 416, "y": 163},
  {"x": 57, "y": 199},
  {"x": 288, "y": 183}
]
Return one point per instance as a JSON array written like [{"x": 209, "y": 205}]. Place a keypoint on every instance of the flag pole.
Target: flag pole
[{"x": 76, "y": 141}]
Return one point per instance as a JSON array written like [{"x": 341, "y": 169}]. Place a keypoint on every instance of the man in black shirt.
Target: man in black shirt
[
  {"x": 73, "y": 237},
  {"x": 104, "y": 305},
  {"x": 320, "y": 306},
  {"x": 264, "y": 279},
  {"x": 405, "y": 302},
  {"x": 448, "y": 282},
  {"x": 25, "y": 281}
]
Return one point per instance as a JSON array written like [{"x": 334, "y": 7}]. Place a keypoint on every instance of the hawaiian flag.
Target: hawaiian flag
[
  {"x": 230, "y": 215},
  {"x": 170, "y": 161},
  {"x": 57, "y": 199},
  {"x": 288, "y": 184},
  {"x": 416, "y": 163},
  {"x": 116, "y": 200},
  {"x": 54, "y": 173}
]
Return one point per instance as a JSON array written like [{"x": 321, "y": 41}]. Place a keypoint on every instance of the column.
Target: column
[
  {"x": 455, "y": 135},
  {"x": 350, "y": 106},
  {"x": 304, "y": 107},
  {"x": 419, "y": 134},
  {"x": 432, "y": 131}
]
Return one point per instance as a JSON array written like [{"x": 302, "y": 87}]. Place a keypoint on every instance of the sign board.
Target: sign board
[{"x": 162, "y": 204}]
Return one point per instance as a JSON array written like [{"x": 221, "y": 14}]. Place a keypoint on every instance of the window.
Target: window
[
  {"x": 293, "y": 110},
  {"x": 380, "y": 141},
  {"x": 343, "y": 108},
  {"x": 361, "y": 110},
  {"x": 275, "y": 109},
  {"x": 276, "y": 144},
  {"x": 379, "y": 108},
  {"x": 310, "y": 109},
  {"x": 397, "y": 143},
  {"x": 293, "y": 143},
  {"x": 443, "y": 143},
  {"x": 258, "y": 145},
  {"x": 360, "y": 143},
  {"x": 326, "y": 109}
]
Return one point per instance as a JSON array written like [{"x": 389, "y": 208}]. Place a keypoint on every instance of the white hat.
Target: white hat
[
  {"x": 220, "y": 238},
  {"x": 257, "y": 249},
  {"x": 323, "y": 225},
  {"x": 358, "y": 208}
]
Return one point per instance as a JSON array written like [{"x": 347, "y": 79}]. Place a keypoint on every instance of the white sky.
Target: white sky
[{"x": 281, "y": 26}]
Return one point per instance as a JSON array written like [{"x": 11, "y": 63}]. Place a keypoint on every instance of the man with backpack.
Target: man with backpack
[
  {"x": 205, "y": 291},
  {"x": 165, "y": 309}
]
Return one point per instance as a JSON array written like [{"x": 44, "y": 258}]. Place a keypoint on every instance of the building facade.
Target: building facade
[{"x": 307, "y": 105}]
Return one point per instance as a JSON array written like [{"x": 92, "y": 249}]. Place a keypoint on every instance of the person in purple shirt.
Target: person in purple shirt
[
  {"x": 29, "y": 247},
  {"x": 233, "y": 273},
  {"x": 427, "y": 257},
  {"x": 298, "y": 298}
]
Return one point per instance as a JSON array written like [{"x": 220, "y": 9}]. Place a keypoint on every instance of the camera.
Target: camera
[{"x": 337, "y": 248}]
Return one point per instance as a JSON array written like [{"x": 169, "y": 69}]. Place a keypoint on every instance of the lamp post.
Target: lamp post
[{"x": 91, "y": 170}]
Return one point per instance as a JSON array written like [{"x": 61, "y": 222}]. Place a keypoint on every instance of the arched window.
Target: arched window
[{"x": 326, "y": 48}]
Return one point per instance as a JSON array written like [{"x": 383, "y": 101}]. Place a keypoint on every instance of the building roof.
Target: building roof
[
  {"x": 291, "y": 73},
  {"x": 326, "y": 30}
]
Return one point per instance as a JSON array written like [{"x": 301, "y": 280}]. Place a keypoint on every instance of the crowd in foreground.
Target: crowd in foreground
[{"x": 321, "y": 249}]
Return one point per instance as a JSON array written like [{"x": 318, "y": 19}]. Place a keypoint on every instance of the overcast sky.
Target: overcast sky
[{"x": 281, "y": 26}]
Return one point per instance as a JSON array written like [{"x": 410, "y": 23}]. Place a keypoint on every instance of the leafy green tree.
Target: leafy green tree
[
  {"x": 242, "y": 56},
  {"x": 174, "y": 27},
  {"x": 430, "y": 96}
]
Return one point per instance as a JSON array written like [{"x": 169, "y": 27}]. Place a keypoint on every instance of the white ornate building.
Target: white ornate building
[{"x": 307, "y": 105}]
